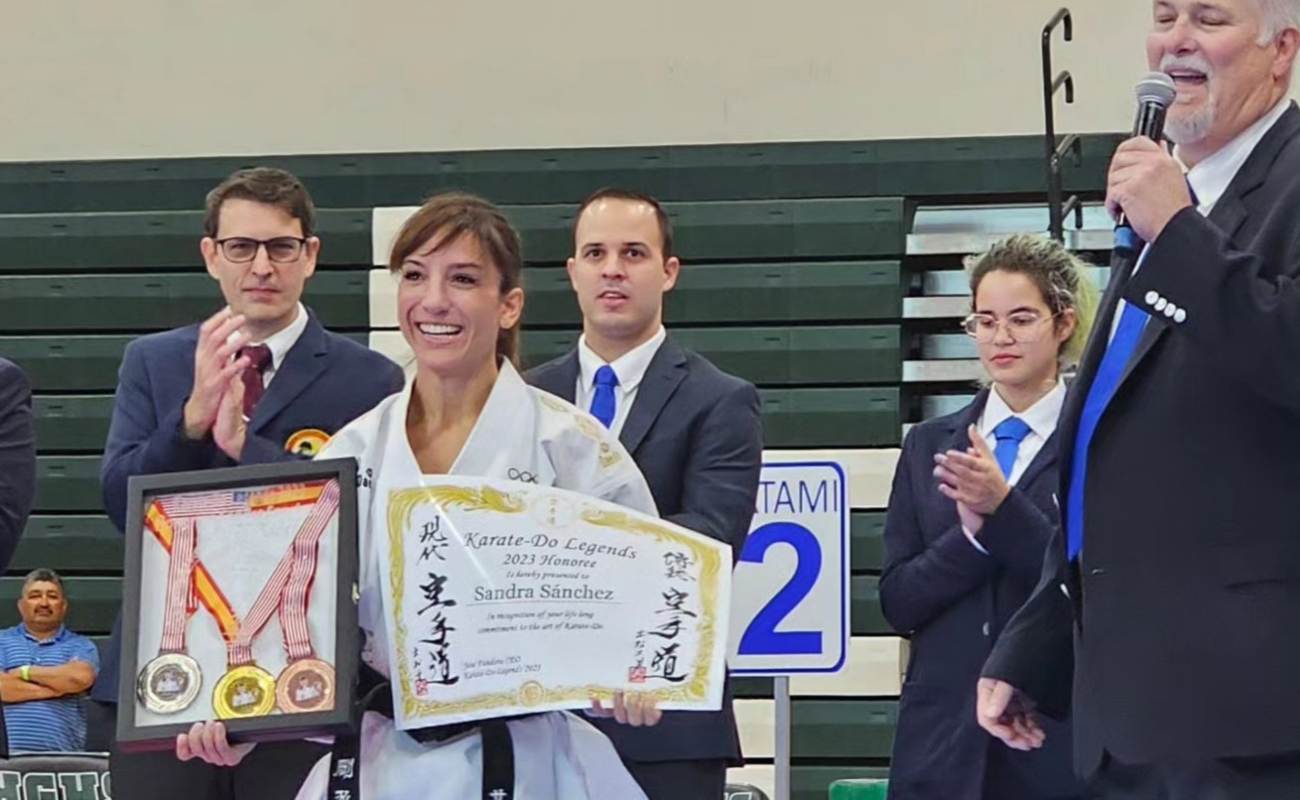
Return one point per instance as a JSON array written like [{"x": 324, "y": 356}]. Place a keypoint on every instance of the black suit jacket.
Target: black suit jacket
[
  {"x": 325, "y": 381},
  {"x": 697, "y": 436},
  {"x": 17, "y": 457},
  {"x": 952, "y": 601},
  {"x": 1185, "y": 606},
  {"x": 17, "y": 472}
]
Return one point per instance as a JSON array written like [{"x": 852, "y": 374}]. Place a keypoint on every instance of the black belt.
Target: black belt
[{"x": 375, "y": 693}]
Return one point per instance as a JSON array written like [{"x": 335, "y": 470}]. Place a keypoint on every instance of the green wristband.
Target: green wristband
[{"x": 25, "y": 672}]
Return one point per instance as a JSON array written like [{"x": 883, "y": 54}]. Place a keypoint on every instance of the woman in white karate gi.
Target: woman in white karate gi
[{"x": 467, "y": 412}]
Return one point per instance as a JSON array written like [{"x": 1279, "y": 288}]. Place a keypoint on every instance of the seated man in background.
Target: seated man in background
[{"x": 45, "y": 669}]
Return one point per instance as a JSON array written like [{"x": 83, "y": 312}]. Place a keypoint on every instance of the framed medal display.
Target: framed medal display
[{"x": 240, "y": 603}]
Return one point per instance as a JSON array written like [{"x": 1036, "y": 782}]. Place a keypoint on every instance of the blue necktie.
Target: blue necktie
[
  {"x": 1009, "y": 433},
  {"x": 602, "y": 402},
  {"x": 1118, "y": 353}
]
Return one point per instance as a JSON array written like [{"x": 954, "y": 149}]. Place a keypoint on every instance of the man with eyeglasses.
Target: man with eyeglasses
[{"x": 261, "y": 380}]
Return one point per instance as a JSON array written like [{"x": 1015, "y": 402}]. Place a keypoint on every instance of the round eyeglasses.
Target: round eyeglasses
[
  {"x": 1022, "y": 326},
  {"x": 281, "y": 249}
]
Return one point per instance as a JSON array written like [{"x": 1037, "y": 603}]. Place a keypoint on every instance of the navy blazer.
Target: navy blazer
[
  {"x": 1190, "y": 571},
  {"x": 953, "y": 601},
  {"x": 17, "y": 458},
  {"x": 697, "y": 436},
  {"x": 325, "y": 381}
]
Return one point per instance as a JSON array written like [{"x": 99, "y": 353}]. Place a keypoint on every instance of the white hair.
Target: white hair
[{"x": 1276, "y": 16}]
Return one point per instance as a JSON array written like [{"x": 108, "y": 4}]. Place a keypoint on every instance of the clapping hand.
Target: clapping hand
[
  {"x": 215, "y": 364},
  {"x": 973, "y": 480},
  {"x": 230, "y": 429}
]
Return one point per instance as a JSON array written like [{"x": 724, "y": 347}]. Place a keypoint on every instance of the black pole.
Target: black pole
[{"x": 1051, "y": 85}]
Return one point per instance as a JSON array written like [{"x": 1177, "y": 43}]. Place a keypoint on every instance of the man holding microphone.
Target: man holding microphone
[{"x": 1170, "y": 602}]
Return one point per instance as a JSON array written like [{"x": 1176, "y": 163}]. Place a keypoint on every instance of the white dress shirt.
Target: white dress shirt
[
  {"x": 1210, "y": 178},
  {"x": 1041, "y": 418},
  {"x": 630, "y": 369}
]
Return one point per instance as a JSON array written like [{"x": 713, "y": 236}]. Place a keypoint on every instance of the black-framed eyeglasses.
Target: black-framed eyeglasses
[
  {"x": 1023, "y": 326},
  {"x": 281, "y": 249}
]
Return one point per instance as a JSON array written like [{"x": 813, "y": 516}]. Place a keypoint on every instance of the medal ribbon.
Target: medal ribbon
[
  {"x": 180, "y": 571},
  {"x": 293, "y": 605},
  {"x": 166, "y": 517},
  {"x": 239, "y": 649}
]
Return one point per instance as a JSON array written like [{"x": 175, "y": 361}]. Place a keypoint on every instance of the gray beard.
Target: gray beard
[{"x": 1185, "y": 128}]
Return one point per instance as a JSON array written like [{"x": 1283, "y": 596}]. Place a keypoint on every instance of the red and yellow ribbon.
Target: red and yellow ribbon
[{"x": 205, "y": 586}]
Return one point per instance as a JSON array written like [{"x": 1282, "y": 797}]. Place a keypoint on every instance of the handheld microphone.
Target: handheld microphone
[{"x": 1155, "y": 93}]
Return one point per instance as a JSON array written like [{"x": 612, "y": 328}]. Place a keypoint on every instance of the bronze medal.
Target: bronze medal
[{"x": 305, "y": 685}]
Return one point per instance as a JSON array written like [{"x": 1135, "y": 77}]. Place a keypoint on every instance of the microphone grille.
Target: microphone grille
[{"x": 1156, "y": 87}]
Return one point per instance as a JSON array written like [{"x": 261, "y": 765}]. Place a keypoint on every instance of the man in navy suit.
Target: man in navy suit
[
  {"x": 259, "y": 381},
  {"x": 694, "y": 431},
  {"x": 17, "y": 457}
]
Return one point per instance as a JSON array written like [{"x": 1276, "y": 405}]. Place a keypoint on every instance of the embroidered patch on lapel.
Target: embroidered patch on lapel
[{"x": 306, "y": 442}]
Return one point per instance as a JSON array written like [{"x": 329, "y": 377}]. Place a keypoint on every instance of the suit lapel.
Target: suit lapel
[
  {"x": 666, "y": 372},
  {"x": 958, "y": 439},
  {"x": 1120, "y": 270},
  {"x": 1045, "y": 458},
  {"x": 303, "y": 364},
  {"x": 1151, "y": 333},
  {"x": 560, "y": 378},
  {"x": 1230, "y": 212}
]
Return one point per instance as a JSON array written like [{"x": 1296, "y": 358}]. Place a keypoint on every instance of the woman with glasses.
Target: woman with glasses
[{"x": 969, "y": 517}]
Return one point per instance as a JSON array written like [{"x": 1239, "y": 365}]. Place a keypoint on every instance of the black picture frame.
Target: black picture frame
[{"x": 343, "y": 717}]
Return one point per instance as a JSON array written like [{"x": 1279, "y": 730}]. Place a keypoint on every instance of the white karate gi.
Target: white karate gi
[{"x": 522, "y": 434}]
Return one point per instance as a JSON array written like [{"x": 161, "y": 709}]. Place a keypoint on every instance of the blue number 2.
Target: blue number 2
[{"x": 762, "y": 637}]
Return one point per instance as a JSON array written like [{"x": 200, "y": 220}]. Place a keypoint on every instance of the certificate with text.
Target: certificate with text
[{"x": 505, "y": 598}]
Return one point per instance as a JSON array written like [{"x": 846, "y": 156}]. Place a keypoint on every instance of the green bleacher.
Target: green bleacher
[
  {"x": 797, "y": 273},
  {"x": 962, "y": 168}
]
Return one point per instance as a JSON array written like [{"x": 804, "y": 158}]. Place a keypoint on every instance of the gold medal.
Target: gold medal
[
  {"x": 245, "y": 691},
  {"x": 305, "y": 685},
  {"x": 169, "y": 683}
]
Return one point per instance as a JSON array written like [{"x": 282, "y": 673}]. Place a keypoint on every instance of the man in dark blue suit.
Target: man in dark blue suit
[
  {"x": 694, "y": 431},
  {"x": 17, "y": 457},
  {"x": 259, "y": 381}
]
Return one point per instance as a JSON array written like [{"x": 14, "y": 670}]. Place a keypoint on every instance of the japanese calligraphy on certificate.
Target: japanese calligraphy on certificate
[{"x": 506, "y": 598}]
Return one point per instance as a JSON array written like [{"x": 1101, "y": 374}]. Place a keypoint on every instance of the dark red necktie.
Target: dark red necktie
[{"x": 259, "y": 356}]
